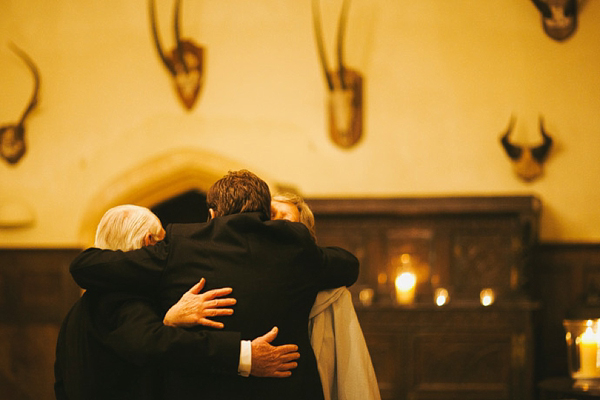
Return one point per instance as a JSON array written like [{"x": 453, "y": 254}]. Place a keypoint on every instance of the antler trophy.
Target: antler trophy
[
  {"x": 185, "y": 62},
  {"x": 12, "y": 136},
  {"x": 345, "y": 97},
  {"x": 527, "y": 161}
]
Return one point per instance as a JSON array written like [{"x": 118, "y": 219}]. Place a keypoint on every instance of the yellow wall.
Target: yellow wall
[{"x": 442, "y": 78}]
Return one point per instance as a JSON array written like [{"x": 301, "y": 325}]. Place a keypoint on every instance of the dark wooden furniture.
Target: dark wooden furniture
[
  {"x": 36, "y": 292},
  {"x": 567, "y": 284},
  {"x": 464, "y": 244}
]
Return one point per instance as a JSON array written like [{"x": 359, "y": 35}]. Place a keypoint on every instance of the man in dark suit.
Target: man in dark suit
[
  {"x": 274, "y": 268},
  {"x": 100, "y": 352}
]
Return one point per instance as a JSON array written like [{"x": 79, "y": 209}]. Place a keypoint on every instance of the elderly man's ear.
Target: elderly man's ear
[{"x": 150, "y": 239}]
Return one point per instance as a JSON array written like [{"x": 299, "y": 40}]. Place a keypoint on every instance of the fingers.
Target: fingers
[
  {"x": 287, "y": 367},
  {"x": 288, "y": 357},
  {"x": 220, "y": 303},
  {"x": 197, "y": 287},
  {"x": 212, "y": 324},
  {"x": 281, "y": 374},
  {"x": 211, "y": 294},
  {"x": 217, "y": 312},
  {"x": 269, "y": 336}
]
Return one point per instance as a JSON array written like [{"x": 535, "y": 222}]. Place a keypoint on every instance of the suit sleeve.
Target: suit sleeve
[
  {"x": 340, "y": 268},
  {"x": 134, "y": 330},
  {"x": 136, "y": 271}
]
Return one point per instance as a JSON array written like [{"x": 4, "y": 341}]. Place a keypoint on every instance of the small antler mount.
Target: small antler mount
[{"x": 527, "y": 161}]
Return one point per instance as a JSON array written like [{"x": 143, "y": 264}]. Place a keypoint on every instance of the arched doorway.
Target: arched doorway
[
  {"x": 189, "y": 206},
  {"x": 178, "y": 176}
]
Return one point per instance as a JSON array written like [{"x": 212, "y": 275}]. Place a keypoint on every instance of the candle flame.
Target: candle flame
[
  {"x": 441, "y": 296},
  {"x": 406, "y": 281},
  {"x": 486, "y": 296}
]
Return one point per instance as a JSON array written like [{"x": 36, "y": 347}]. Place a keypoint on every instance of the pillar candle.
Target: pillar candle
[
  {"x": 405, "y": 288},
  {"x": 588, "y": 349}
]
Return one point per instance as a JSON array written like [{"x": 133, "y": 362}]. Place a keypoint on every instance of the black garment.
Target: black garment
[
  {"x": 111, "y": 346},
  {"x": 275, "y": 269}
]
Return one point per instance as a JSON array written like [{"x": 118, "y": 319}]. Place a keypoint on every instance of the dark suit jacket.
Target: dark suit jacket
[
  {"x": 275, "y": 269},
  {"x": 111, "y": 345}
]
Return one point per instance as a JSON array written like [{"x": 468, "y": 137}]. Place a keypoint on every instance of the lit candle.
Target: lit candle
[
  {"x": 405, "y": 287},
  {"x": 366, "y": 296},
  {"x": 486, "y": 297},
  {"x": 588, "y": 349},
  {"x": 441, "y": 296}
]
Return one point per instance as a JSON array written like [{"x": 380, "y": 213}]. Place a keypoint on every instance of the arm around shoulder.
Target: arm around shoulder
[
  {"x": 114, "y": 270},
  {"x": 341, "y": 267}
]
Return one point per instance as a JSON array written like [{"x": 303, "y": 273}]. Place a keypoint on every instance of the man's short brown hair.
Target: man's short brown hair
[{"x": 238, "y": 192}]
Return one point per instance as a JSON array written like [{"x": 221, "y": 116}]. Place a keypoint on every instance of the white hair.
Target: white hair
[{"x": 124, "y": 228}]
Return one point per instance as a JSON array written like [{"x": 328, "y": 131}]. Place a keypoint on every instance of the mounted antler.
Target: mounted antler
[
  {"x": 527, "y": 161},
  {"x": 12, "y": 136},
  {"x": 344, "y": 85},
  {"x": 559, "y": 17},
  {"x": 185, "y": 63}
]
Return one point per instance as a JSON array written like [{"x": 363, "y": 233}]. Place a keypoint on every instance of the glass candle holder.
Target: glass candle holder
[{"x": 583, "y": 350}]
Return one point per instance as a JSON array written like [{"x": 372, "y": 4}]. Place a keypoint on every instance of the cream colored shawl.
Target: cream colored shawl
[{"x": 342, "y": 356}]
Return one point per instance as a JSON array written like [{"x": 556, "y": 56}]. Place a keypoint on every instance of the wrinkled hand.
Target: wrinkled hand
[
  {"x": 194, "y": 308},
  {"x": 273, "y": 361}
]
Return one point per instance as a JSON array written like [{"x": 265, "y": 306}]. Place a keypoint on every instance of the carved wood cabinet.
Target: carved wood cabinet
[{"x": 462, "y": 349}]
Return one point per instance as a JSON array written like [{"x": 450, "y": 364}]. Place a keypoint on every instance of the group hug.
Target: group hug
[{"x": 244, "y": 306}]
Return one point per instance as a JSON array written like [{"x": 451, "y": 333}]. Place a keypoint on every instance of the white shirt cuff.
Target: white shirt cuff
[{"x": 245, "y": 358}]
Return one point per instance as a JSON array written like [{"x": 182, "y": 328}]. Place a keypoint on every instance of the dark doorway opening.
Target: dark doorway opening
[{"x": 186, "y": 207}]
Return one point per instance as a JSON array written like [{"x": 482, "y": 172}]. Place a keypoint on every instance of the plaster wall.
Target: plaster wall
[{"x": 442, "y": 79}]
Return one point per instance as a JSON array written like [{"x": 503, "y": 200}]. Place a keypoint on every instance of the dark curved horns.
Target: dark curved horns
[
  {"x": 543, "y": 8},
  {"x": 514, "y": 152},
  {"x": 340, "y": 40},
  {"x": 540, "y": 153},
  {"x": 157, "y": 40},
  {"x": 36, "y": 77},
  {"x": 179, "y": 48},
  {"x": 320, "y": 45}
]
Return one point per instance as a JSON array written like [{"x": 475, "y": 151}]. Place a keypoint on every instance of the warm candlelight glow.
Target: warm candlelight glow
[
  {"x": 583, "y": 345},
  {"x": 486, "y": 296},
  {"x": 441, "y": 296},
  {"x": 366, "y": 297},
  {"x": 588, "y": 351},
  {"x": 405, "y": 287}
]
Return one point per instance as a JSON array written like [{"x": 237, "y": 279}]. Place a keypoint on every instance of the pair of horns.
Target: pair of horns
[
  {"x": 527, "y": 161},
  {"x": 340, "y": 43},
  {"x": 12, "y": 136},
  {"x": 178, "y": 43},
  {"x": 539, "y": 153}
]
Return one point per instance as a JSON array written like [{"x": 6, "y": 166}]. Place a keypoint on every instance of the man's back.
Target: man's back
[{"x": 275, "y": 270}]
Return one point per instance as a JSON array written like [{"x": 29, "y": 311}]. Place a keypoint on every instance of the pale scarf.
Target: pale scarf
[{"x": 342, "y": 356}]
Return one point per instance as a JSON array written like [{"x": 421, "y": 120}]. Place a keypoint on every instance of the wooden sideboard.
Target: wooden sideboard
[
  {"x": 463, "y": 244},
  {"x": 36, "y": 292}
]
